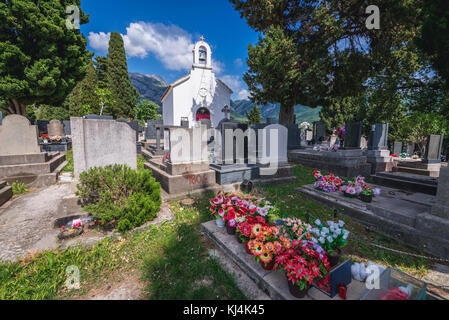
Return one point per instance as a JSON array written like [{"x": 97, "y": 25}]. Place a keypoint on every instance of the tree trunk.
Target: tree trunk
[
  {"x": 15, "y": 107},
  {"x": 287, "y": 115}
]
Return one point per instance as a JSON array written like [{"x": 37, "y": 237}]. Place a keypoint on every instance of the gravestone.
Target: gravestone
[
  {"x": 132, "y": 124},
  {"x": 353, "y": 136},
  {"x": 42, "y": 126},
  {"x": 397, "y": 149},
  {"x": 433, "y": 149},
  {"x": 18, "y": 136},
  {"x": 97, "y": 117},
  {"x": 271, "y": 121},
  {"x": 55, "y": 128},
  {"x": 319, "y": 132},
  {"x": 98, "y": 143},
  {"x": 276, "y": 150},
  {"x": 1, "y": 118},
  {"x": 441, "y": 208},
  {"x": 410, "y": 148},
  {"x": 294, "y": 137},
  {"x": 67, "y": 128},
  {"x": 150, "y": 132},
  {"x": 378, "y": 139}
]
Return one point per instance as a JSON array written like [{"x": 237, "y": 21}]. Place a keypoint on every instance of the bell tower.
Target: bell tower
[{"x": 202, "y": 55}]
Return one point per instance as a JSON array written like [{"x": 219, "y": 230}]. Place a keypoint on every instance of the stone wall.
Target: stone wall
[{"x": 98, "y": 143}]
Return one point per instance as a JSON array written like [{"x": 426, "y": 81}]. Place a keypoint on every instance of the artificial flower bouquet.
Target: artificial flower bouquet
[
  {"x": 303, "y": 262},
  {"x": 294, "y": 229},
  {"x": 245, "y": 229},
  {"x": 341, "y": 133},
  {"x": 332, "y": 238},
  {"x": 329, "y": 183},
  {"x": 264, "y": 244}
]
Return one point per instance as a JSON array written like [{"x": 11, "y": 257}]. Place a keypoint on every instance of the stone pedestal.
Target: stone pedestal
[
  {"x": 441, "y": 207},
  {"x": 380, "y": 160},
  {"x": 345, "y": 163},
  {"x": 55, "y": 129},
  {"x": 227, "y": 174}
]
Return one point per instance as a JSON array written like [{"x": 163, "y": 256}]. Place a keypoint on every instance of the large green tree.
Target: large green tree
[
  {"x": 338, "y": 56},
  {"x": 273, "y": 75},
  {"x": 254, "y": 116},
  {"x": 84, "y": 94},
  {"x": 101, "y": 64},
  {"x": 434, "y": 38},
  {"x": 118, "y": 82},
  {"x": 41, "y": 59}
]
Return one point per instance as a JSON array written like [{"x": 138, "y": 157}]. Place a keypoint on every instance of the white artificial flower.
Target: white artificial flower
[
  {"x": 321, "y": 240},
  {"x": 318, "y": 222},
  {"x": 330, "y": 239},
  {"x": 330, "y": 223},
  {"x": 314, "y": 240},
  {"x": 326, "y": 230},
  {"x": 341, "y": 224}
]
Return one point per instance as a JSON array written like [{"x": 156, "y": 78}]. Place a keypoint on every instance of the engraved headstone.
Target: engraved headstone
[
  {"x": 397, "y": 149},
  {"x": 353, "y": 136},
  {"x": 67, "y": 127},
  {"x": 18, "y": 136},
  {"x": 410, "y": 148},
  {"x": 378, "y": 139},
  {"x": 150, "y": 132},
  {"x": 433, "y": 149},
  {"x": 55, "y": 128},
  {"x": 319, "y": 132},
  {"x": 294, "y": 136}
]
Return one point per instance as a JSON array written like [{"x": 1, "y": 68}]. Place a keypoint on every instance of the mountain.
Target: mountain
[
  {"x": 271, "y": 110},
  {"x": 152, "y": 87}
]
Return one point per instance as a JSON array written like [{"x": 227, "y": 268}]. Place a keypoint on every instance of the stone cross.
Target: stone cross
[{"x": 227, "y": 111}]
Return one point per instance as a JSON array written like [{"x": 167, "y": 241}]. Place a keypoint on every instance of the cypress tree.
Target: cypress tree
[
  {"x": 101, "y": 67},
  {"x": 254, "y": 116},
  {"x": 84, "y": 95},
  {"x": 124, "y": 95}
]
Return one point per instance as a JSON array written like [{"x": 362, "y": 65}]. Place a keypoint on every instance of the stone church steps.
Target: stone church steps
[{"x": 5, "y": 192}]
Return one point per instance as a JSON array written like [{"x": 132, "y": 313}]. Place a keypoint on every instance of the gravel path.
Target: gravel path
[{"x": 26, "y": 225}]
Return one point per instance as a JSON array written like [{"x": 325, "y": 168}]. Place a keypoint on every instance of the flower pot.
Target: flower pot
[
  {"x": 268, "y": 266},
  {"x": 296, "y": 292},
  {"x": 335, "y": 258},
  {"x": 238, "y": 238},
  {"x": 220, "y": 223},
  {"x": 248, "y": 251},
  {"x": 231, "y": 230},
  {"x": 365, "y": 198}
]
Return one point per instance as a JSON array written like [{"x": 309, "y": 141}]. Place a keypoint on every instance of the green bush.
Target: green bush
[
  {"x": 18, "y": 188},
  {"x": 120, "y": 196}
]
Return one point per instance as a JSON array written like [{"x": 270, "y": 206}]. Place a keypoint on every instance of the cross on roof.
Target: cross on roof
[
  {"x": 202, "y": 38},
  {"x": 227, "y": 111}
]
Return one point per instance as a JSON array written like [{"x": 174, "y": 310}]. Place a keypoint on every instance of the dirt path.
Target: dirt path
[{"x": 26, "y": 225}]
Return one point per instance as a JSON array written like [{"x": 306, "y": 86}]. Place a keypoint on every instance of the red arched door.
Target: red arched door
[{"x": 202, "y": 114}]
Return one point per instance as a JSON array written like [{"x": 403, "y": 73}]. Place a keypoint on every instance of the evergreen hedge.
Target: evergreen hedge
[{"x": 120, "y": 196}]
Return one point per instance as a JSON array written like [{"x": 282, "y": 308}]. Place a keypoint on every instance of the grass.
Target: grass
[
  {"x": 69, "y": 158},
  {"x": 172, "y": 259},
  {"x": 297, "y": 205}
]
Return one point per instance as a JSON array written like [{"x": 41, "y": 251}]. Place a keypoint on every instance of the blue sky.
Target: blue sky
[{"x": 159, "y": 35}]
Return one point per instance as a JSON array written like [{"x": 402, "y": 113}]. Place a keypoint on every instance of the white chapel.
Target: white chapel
[{"x": 198, "y": 96}]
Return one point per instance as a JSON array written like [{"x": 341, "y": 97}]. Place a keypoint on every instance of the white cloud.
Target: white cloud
[
  {"x": 99, "y": 41},
  {"x": 243, "y": 94},
  {"x": 170, "y": 44},
  {"x": 237, "y": 85}
]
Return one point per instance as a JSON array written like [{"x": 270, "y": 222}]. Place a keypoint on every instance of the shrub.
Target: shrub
[
  {"x": 18, "y": 188},
  {"x": 120, "y": 196}
]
